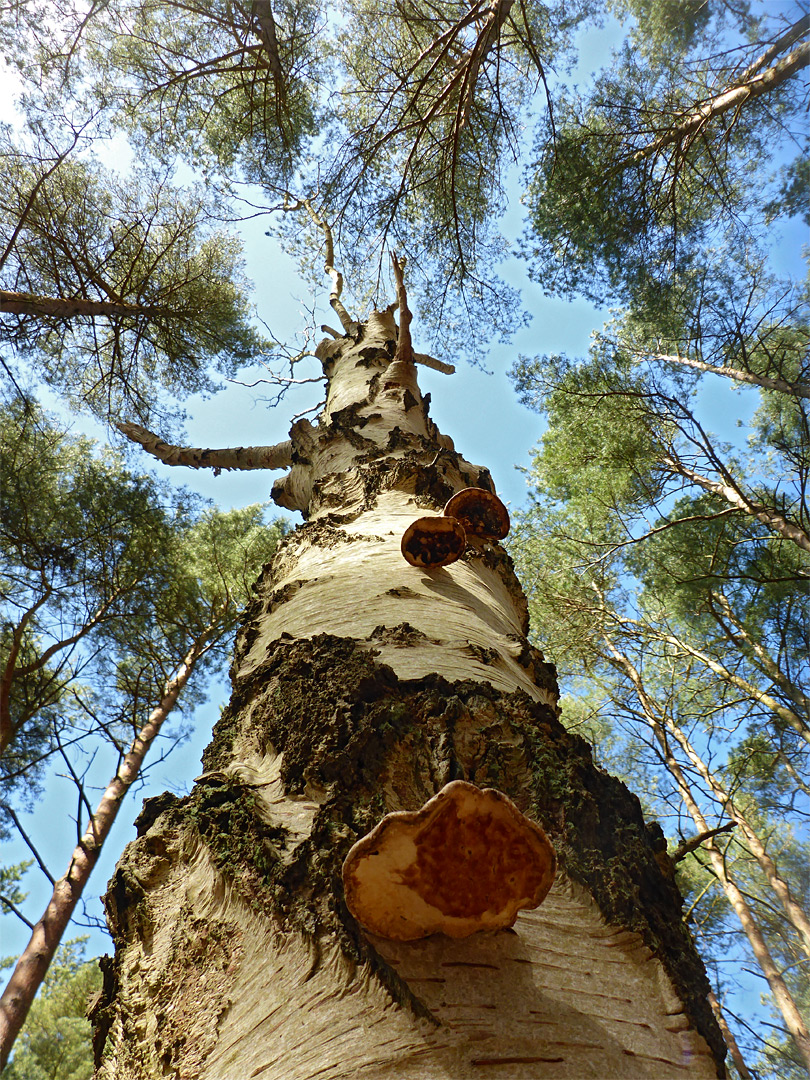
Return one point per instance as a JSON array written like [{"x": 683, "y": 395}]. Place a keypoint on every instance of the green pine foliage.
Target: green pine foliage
[
  {"x": 106, "y": 580},
  {"x": 56, "y": 1041}
]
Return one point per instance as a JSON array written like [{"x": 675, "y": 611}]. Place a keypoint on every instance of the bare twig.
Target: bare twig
[
  {"x": 694, "y": 842},
  {"x": 28, "y": 842}
]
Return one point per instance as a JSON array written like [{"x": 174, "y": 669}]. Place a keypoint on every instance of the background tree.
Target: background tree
[
  {"x": 56, "y": 1042},
  {"x": 112, "y": 601},
  {"x": 670, "y": 564},
  {"x": 118, "y": 290},
  {"x": 693, "y": 137}
]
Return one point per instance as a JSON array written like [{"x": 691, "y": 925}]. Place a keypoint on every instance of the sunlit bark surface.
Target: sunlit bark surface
[{"x": 362, "y": 685}]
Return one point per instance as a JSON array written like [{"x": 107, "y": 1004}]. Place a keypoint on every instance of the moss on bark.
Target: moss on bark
[{"x": 373, "y": 743}]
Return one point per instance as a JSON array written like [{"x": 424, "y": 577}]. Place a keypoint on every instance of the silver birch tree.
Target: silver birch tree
[{"x": 361, "y": 686}]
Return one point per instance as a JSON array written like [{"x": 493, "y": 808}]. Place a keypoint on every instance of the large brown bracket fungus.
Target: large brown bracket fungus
[
  {"x": 433, "y": 541},
  {"x": 480, "y": 512},
  {"x": 437, "y": 541},
  {"x": 469, "y": 860}
]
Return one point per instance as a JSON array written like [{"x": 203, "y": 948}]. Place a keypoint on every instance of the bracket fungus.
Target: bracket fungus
[
  {"x": 480, "y": 512},
  {"x": 433, "y": 541},
  {"x": 469, "y": 860}
]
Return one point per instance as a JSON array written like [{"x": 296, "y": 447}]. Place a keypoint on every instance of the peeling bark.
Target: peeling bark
[{"x": 361, "y": 685}]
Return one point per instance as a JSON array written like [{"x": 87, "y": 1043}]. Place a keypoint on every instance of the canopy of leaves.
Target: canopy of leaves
[
  {"x": 398, "y": 121},
  {"x": 668, "y": 572},
  {"x": 175, "y": 296},
  {"x": 668, "y": 568}
]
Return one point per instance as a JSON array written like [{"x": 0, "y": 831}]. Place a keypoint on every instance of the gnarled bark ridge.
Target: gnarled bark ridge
[{"x": 362, "y": 685}]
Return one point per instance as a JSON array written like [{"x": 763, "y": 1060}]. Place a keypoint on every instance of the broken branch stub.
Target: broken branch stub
[
  {"x": 433, "y": 541},
  {"x": 469, "y": 860},
  {"x": 480, "y": 512}
]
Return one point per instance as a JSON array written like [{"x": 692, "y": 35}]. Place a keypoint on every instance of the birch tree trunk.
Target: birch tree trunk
[{"x": 362, "y": 685}]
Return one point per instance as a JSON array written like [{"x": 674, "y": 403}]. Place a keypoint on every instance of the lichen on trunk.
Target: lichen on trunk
[{"x": 362, "y": 685}]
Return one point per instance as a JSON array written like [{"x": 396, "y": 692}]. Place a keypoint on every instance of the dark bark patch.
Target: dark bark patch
[
  {"x": 348, "y": 725},
  {"x": 484, "y": 656},
  {"x": 243, "y": 845},
  {"x": 403, "y": 635},
  {"x": 372, "y": 743}
]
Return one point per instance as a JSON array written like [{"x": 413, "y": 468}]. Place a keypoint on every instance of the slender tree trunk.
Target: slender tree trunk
[
  {"x": 781, "y": 994},
  {"x": 793, "y": 910},
  {"x": 361, "y": 686},
  {"x": 35, "y": 960},
  {"x": 731, "y": 1042}
]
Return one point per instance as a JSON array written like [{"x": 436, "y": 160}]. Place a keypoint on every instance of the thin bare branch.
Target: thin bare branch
[
  {"x": 797, "y": 389},
  {"x": 694, "y": 842},
  {"x": 346, "y": 321},
  {"x": 28, "y": 842},
  {"x": 237, "y": 457},
  {"x": 4, "y": 900}
]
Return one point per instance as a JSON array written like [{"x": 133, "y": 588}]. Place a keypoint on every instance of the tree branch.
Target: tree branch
[
  {"x": 15, "y": 911},
  {"x": 766, "y": 515},
  {"x": 432, "y": 362},
  {"x": 797, "y": 389},
  {"x": 266, "y": 29},
  {"x": 731, "y": 98},
  {"x": 237, "y": 457},
  {"x": 694, "y": 842},
  {"x": 28, "y": 842},
  {"x": 346, "y": 321},
  {"x": 793, "y": 33},
  {"x": 60, "y": 307}
]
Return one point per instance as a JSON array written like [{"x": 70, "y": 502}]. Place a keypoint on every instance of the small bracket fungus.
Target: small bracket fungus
[
  {"x": 433, "y": 541},
  {"x": 468, "y": 860},
  {"x": 480, "y": 512}
]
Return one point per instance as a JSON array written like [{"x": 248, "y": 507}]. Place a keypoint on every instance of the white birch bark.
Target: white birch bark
[{"x": 361, "y": 686}]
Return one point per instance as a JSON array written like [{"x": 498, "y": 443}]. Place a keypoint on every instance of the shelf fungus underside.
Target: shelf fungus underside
[{"x": 469, "y": 860}]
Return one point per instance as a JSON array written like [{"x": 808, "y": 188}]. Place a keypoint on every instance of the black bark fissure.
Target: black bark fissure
[{"x": 370, "y": 743}]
